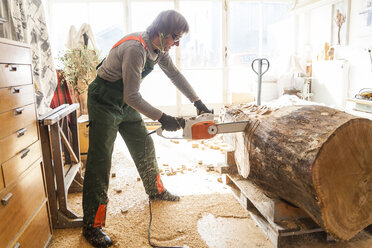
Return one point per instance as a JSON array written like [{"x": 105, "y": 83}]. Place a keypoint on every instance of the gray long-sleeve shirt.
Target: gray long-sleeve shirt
[{"x": 127, "y": 61}]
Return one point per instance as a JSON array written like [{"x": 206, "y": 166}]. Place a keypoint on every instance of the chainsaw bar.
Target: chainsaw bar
[{"x": 231, "y": 127}]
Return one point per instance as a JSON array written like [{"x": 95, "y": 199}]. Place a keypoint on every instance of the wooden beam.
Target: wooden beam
[{"x": 68, "y": 146}]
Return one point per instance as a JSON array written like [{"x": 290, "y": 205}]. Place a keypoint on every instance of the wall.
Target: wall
[
  {"x": 316, "y": 26},
  {"x": 360, "y": 38}
]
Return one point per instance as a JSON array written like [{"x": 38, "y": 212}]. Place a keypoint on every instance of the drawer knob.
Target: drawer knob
[
  {"x": 6, "y": 199},
  {"x": 18, "y": 111},
  {"x": 25, "y": 152},
  {"x": 21, "y": 132},
  {"x": 15, "y": 90}
]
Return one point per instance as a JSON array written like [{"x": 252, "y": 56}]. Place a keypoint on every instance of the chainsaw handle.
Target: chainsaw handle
[
  {"x": 181, "y": 121},
  {"x": 159, "y": 132}
]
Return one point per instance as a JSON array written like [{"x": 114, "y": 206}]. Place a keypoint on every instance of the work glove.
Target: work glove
[
  {"x": 201, "y": 108},
  {"x": 170, "y": 123}
]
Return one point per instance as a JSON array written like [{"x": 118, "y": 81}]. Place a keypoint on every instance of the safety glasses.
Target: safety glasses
[{"x": 176, "y": 38}]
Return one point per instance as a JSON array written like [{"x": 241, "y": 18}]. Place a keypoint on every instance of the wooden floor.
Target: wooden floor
[{"x": 208, "y": 214}]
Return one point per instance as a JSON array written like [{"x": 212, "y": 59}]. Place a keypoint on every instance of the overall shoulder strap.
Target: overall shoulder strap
[{"x": 131, "y": 38}]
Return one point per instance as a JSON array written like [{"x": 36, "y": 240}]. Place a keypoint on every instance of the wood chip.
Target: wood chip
[
  {"x": 124, "y": 210},
  {"x": 118, "y": 190},
  {"x": 113, "y": 174},
  {"x": 195, "y": 145},
  {"x": 215, "y": 147},
  {"x": 138, "y": 179}
]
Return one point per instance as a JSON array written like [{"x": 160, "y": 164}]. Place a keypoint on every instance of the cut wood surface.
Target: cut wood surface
[{"x": 315, "y": 157}]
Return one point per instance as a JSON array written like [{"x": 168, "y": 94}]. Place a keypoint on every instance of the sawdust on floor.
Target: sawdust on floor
[{"x": 207, "y": 216}]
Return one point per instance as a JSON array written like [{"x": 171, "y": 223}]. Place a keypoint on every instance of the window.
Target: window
[
  {"x": 106, "y": 32},
  {"x": 144, "y": 12},
  {"x": 254, "y": 28},
  {"x": 201, "y": 50},
  {"x": 156, "y": 88},
  {"x": 244, "y": 32}
]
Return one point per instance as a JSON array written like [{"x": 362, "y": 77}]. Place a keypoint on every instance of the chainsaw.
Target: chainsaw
[{"x": 204, "y": 127}]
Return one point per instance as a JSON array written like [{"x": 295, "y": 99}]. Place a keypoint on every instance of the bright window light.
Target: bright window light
[
  {"x": 106, "y": 32},
  {"x": 201, "y": 47},
  {"x": 256, "y": 30},
  {"x": 144, "y": 12}
]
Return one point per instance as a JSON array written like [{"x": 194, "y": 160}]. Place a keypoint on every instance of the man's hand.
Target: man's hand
[
  {"x": 201, "y": 108},
  {"x": 169, "y": 123}
]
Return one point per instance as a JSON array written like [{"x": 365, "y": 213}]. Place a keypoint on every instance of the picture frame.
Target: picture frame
[
  {"x": 341, "y": 7},
  {"x": 365, "y": 19}
]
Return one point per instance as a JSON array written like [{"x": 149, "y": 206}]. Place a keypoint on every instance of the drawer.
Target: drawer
[
  {"x": 1, "y": 180},
  {"x": 14, "y": 54},
  {"x": 26, "y": 197},
  {"x": 15, "y": 166},
  {"x": 38, "y": 232},
  {"x": 14, "y": 143},
  {"x": 15, "y": 119},
  {"x": 14, "y": 75},
  {"x": 14, "y": 97}
]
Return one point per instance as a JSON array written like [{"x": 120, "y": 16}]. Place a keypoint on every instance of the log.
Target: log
[{"x": 315, "y": 157}]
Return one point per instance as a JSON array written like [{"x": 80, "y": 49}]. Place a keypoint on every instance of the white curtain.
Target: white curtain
[{"x": 27, "y": 24}]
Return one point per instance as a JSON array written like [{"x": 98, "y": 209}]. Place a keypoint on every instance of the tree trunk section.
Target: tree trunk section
[{"x": 318, "y": 158}]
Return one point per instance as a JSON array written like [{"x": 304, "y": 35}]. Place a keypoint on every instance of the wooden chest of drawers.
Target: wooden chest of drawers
[{"x": 24, "y": 211}]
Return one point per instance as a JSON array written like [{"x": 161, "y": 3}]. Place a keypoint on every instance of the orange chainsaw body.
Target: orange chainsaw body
[{"x": 200, "y": 130}]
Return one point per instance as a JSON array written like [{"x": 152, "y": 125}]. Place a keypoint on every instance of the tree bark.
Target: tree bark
[{"x": 318, "y": 158}]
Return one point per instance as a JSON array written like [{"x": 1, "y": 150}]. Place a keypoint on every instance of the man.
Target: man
[{"x": 115, "y": 104}]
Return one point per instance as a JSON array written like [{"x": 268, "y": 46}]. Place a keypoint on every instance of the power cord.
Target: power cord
[{"x": 149, "y": 228}]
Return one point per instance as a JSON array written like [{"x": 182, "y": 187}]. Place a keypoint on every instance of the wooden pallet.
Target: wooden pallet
[{"x": 276, "y": 218}]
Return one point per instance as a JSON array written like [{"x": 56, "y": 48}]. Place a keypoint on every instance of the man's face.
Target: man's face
[{"x": 171, "y": 40}]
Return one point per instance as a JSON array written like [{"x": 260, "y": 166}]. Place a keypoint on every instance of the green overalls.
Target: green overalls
[{"x": 108, "y": 114}]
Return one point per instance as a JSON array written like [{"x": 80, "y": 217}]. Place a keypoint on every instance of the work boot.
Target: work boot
[
  {"x": 165, "y": 196},
  {"x": 96, "y": 237}
]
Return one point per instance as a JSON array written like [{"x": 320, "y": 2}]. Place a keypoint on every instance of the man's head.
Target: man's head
[{"x": 167, "y": 28}]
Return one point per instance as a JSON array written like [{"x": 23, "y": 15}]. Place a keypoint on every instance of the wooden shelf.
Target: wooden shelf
[{"x": 362, "y": 108}]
